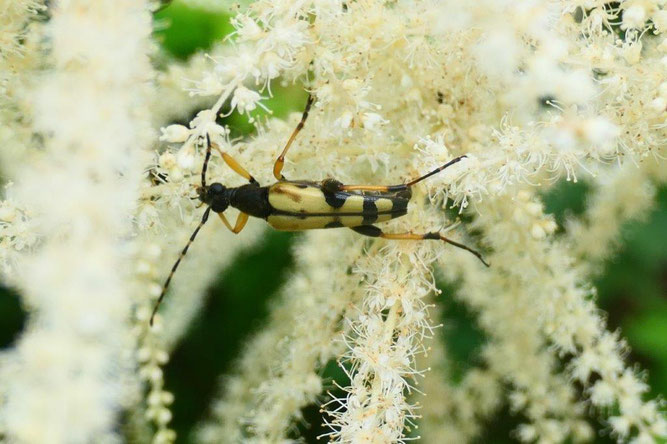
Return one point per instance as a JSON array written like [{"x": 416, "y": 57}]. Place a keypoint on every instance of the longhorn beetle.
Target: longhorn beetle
[{"x": 294, "y": 205}]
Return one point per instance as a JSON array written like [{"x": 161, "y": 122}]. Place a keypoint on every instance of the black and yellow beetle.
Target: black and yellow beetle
[{"x": 295, "y": 205}]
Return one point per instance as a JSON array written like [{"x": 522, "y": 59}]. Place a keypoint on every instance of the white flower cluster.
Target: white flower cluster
[
  {"x": 383, "y": 340},
  {"x": 70, "y": 217},
  {"x": 529, "y": 91}
]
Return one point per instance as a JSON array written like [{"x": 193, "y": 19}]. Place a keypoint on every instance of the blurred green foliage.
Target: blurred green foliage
[
  {"x": 182, "y": 30},
  {"x": 631, "y": 288}
]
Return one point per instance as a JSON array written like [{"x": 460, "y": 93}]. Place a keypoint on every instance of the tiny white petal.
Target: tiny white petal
[{"x": 175, "y": 133}]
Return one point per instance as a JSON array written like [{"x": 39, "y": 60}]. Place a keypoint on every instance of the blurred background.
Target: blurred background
[{"x": 632, "y": 287}]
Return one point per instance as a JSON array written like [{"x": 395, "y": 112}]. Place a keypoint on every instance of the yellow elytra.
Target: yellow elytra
[{"x": 308, "y": 205}]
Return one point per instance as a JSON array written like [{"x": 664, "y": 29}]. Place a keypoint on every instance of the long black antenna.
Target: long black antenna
[
  {"x": 206, "y": 159},
  {"x": 192, "y": 237},
  {"x": 435, "y": 171},
  {"x": 178, "y": 261}
]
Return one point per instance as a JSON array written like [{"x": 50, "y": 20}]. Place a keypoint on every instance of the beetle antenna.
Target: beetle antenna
[
  {"x": 178, "y": 261},
  {"x": 206, "y": 159},
  {"x": 435, "y": 171}
]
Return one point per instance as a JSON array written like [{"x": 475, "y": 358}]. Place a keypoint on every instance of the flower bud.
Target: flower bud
[{"x": 175, "y": 133}]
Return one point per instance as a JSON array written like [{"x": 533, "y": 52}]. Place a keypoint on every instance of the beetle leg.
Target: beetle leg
[
  {"x": 241, "y": 220},
  {"x": 405, "y": 186},
  {"x": 233, "y": 164},
  {"x": 380, "y": 188},
  {"x": 280, "y": 161},
  {"x": 373, "y": 231}
]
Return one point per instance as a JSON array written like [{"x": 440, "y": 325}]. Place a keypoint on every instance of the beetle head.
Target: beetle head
[{"x": 215, "y": 196}]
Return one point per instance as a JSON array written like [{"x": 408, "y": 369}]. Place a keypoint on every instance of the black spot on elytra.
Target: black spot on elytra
[
  {"x": 368, "y": 230},
  {"x": 335, "y": 200},
  {"x": 370, "y": 210},
  {"x": 400, "y": 207},
  {"x": 334, "y": 224}
]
